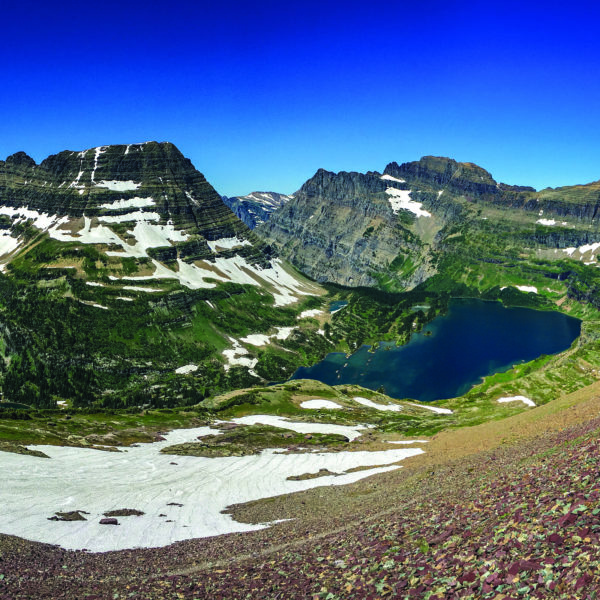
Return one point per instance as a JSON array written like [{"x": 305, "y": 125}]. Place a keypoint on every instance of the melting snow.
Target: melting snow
[
  {"x": 318, "y": 403},
  {"x": 138, "y": 288},
  {"x": 7, "y": 243},
  {"x": 227, "y": 243},
  {"x": 523, "y": 288},
  {"x": 435, "y": 409},
  {"x": 40, "y": 220},
  {"x": 523, "y": 399},
  {"x": 591, "y": 248},
  {"x": 98, "y": 152},
  {"x": 351, "y": 432},
  {"x": 371, "y": 404},
  {"x": 87, "y": 235},
  {"x": 548, "y": 222},
  {"x": 129, "y": 203},
  {"x": 310, "y": 313},
  {"x": 256, "y": 339},
  {"x": 119, "y": 186},
  {"x": 186, "y": 369},
  {"x": 260, "y": 339},
  {"x": 141, "y": 478},
  {"x": 139, "y": 215},
  {"x": 236, "y": 356},
  {"x": 400, "y": 199},
  {"x": 390, "y": 178}
]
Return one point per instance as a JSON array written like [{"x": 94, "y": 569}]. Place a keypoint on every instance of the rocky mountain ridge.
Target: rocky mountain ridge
[
  {"x": 392, "y": 228},
  {"x": 137, "y": 201}
]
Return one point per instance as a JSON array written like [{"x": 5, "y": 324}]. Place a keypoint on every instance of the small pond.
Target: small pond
[
  {"x": 337, "y": 305},
  {"x": 452, "y": 353}
]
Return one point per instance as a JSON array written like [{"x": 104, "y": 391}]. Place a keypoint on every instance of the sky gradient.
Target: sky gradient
[{"x": 259, "y": 95}]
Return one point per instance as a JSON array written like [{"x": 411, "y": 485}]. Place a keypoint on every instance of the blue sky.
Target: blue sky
[{"x": 259, "y": 95}]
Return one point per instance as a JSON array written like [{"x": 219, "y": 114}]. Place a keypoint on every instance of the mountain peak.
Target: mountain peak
[
  {"x": 19, "y": 159},
  {"x": 440, "y": 170}
]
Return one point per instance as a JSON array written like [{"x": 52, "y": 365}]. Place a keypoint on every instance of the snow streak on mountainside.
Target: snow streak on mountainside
[{"x": 140, "y": 201}]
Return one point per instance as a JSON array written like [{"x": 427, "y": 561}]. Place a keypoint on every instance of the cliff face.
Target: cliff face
[
  {"x": 391, "y": 229},
  {"x": 78, "y": 183},
  {"x": 354, "y": 228},
  {"x": 149, "y": 190}
]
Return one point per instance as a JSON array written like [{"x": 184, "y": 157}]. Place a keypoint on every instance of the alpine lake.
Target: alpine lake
[{"x": 452, "y": 353}]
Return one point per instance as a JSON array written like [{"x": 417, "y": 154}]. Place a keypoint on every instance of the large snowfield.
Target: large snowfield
[{"x": 182, "y": 497}]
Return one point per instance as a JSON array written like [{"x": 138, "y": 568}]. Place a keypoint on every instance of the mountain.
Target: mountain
[
  {"x": 398, "y": 228},
  {"x": 123, "y": 265},
  {"x": 256, "y": 208},
  {"x": 145, "y": 202}
]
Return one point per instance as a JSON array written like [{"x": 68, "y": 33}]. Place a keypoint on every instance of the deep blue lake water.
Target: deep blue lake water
[{"x": 472, "y": 340}]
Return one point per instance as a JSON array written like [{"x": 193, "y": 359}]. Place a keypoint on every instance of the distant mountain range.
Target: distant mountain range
[{"x": 256, "y": 208}]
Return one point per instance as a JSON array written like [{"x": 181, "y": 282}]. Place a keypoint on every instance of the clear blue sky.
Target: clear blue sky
[{"x": 261, "y": 94}]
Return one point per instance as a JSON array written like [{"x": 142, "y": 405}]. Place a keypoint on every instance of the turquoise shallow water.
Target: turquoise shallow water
[
  {"x": 472, "y": 340},
  {"x": 336, "y": 305}
]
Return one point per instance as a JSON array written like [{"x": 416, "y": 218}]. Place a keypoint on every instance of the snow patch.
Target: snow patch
[
  {"x": 129, "y": 203},
  {"x": 256, "y": 339},
  {"x": 310, "y": 313},
  {"x": 186, "y": 369},
  {"x": 236, "y": 356},
  {"x": 351, "y": 432},
  {"x": 97, "y": 153},
  {"x": 523, "y": 288},
  {"x": 375, "y": 405},
  {"x": 435, "y": 409},
  {"x": 143, "y": 478},
  {"x": 523, "y": 399},
  {"x": 548, "y": 222},
  {"x": 390, "y": 178},
  {"x": 8, "y": 243},
  {"x": 260, "y": 339},
  {"x": 41, "y": 221},
  {"x": 400, "y": 199},
  {"x": 585, "y": 249},
  {"x": 227, "y": 243},
  {"x": 138, "y": 288},
  {"x": 87, "y": 235},
  {"x": 119, "y": 186},
  {"x": 318, "y": 403}
]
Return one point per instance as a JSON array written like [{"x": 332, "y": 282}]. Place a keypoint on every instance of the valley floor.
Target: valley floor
[{"x": 506, "y": 509}]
